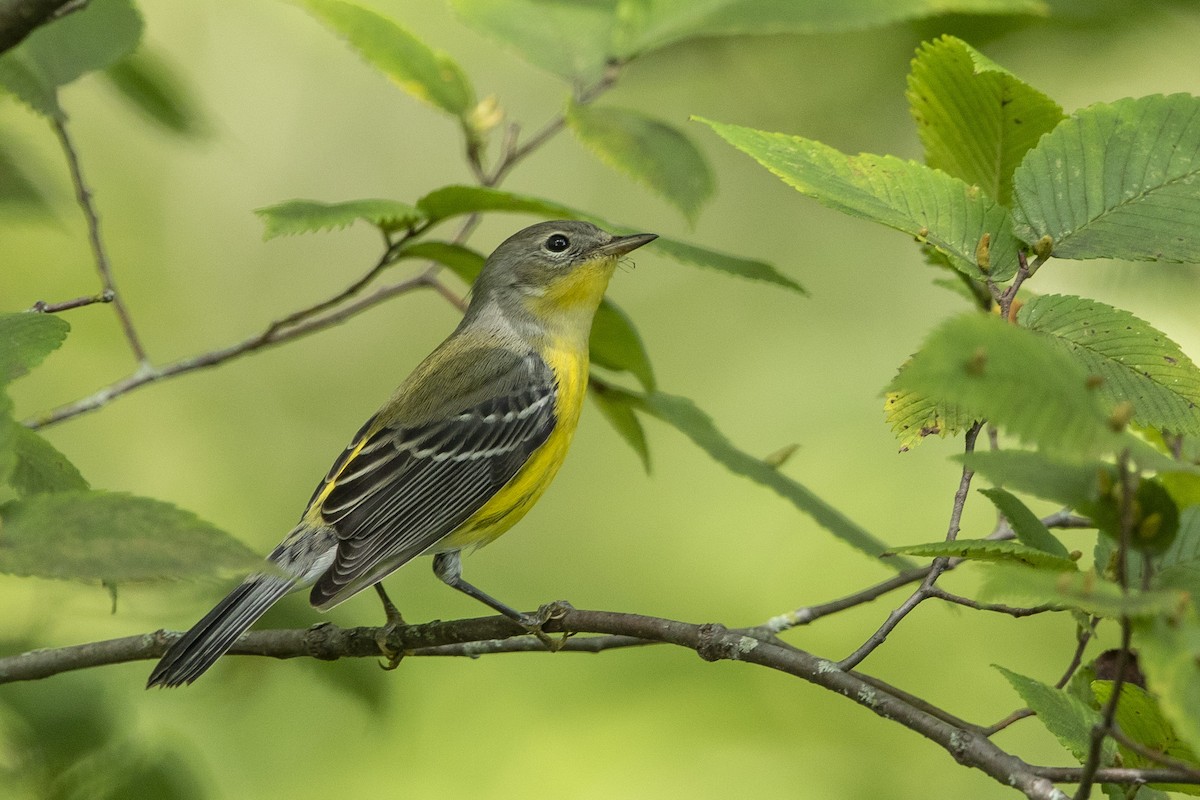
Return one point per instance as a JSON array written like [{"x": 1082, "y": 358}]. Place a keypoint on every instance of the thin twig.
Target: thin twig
[
  {"x": 273, "y": 335},
  {"x": 938, "y": 566},
  {"x": 938, "y": 593},
  {"x": 1109, "y": 713},
  {"x": 42, "y": 307},
  {"x": 83, "y": 195}
]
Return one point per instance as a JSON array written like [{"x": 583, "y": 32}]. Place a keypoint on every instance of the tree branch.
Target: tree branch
[{"x": 712, "y": 642}]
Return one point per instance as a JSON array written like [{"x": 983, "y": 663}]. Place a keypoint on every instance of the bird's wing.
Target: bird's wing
[{"x": 400, "y": 488}]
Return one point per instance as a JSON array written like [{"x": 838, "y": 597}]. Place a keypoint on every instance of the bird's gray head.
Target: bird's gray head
[{"x": 555, "y": 265}]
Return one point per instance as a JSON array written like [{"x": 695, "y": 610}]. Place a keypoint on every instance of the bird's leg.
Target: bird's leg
[
  {"x": 448, "y": 568},
  {"x": 394, "y": 621}
]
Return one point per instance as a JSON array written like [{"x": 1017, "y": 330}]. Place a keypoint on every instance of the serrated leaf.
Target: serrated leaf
[
  {"x": 462, "y": 261},
  {"x": 1179, "y": 566},
  {"x": 651, "y": 152},
  {"x": 1067, "y": 717},
  {"x": 117, "y": 538},
  {"x": 938, "y": 209},
  {"x": 989, "y": 550},
  {"x": 1012, "y": 378},
  {"x": 1116, "y": 180},
  {"x": 684, "y": 416},
  {"x": 976, "y": 119},
  {"x": 913, "y": 417},
  {"x": 1025, "y": 524},
  {"x": 646, "y": 25},
  {"x": 309, "y": 216},
  {"x": 26, "y": 339},
  {"x": 615, "y": 344},
  {"x": 567, "y": 38},
  {"x": 1138, "y": 363},
  {"x": 450, "y": 201},
  {"x": 1083, "y": 591},
  {"x": 426, "y": 74},
  {"x": 1140, "y": 718},
  {"x": 40, "y": 467},
  {"x": 89, "y": 39},
  {"x": 1169, "y": 653},
  {"x": 619, "y": 412},
  {"x": 152, "y": 85},
  {"x": 1070, "y": 483}
]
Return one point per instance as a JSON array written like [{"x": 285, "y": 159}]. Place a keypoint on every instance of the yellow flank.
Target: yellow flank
[{"x": 507, "y": 506}]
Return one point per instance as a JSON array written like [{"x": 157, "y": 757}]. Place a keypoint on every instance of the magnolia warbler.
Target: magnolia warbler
[{"x": 462, "y": 450}]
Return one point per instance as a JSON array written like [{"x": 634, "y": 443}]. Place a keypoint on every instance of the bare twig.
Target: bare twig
[
  {"x": 938, "y": 593},
  {"x": 42, "y": 307},
  {"x": 83, "y": 196},
  {"x": 272, "y": 335},
  {"x": 938, "y": 566}
]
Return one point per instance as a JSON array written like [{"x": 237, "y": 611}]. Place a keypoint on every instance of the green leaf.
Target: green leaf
[
  {"x": 914, "y": 417},
  {"x": 734, "y": 265},
  {"x": 40, "y": 467},
  {"x": 990, "y": 550},
  {"x": 1029, "y": 529},
  {"x": 451, "y": 201},
  {"x": 567, "y": 38},
  {"x": 1064, "y": 715},
  {"x": 152, "y": 85},
  {"x": 976, "y": 119},
  {"x": 1169, "y": 653},
  {"x": 308, "y": 216},
  {"x": 938, "y": 209},
  {"x": 26, "y": 339},
  {"x": 91, "y": 38},
  {"x": 1179, "y": 566},
  {"x": 426, "y": 74},
  {"x": 646, "y": 25},
  {"x": 616, "y": 344},
  {"x": 684, "y": 416},
  {"x": 1072, "y": 484},
  {"x": 1116, "y": 181},
  {"x": 1012, "y": 378},
  {"x": 17, "y": 191},
  {"x": 462, "y": 261},
  {"x": 97, "y": 536},
  {"x": 1140, "y": 718},
  {"x": 8, "y": 438},
  {"x": 1138, "y": 363},
  {"x": 618, "y": 410},
  {"x": 651, "y": 152},
  {"x": 1083, "y": 591}
]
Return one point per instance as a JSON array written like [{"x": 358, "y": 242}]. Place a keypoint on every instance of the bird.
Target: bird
[{"x": 464, "y": 447}]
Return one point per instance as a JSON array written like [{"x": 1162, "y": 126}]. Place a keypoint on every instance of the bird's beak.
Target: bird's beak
[{"x": 620, "y": 245}]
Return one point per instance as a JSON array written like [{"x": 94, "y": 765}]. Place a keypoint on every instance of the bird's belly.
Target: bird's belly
[{"x": 508, "y": 505}]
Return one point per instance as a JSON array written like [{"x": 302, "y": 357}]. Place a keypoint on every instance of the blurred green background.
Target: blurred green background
[{"x": 292, "y": 112}]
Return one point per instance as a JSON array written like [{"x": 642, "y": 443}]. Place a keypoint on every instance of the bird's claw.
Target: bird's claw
[
  {"x": 393, "y": 656},
  {"x": 534, "y": 622}
]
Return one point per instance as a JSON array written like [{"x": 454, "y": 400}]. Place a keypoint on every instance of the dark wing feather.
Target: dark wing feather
[{"x": 408, "y": 486}]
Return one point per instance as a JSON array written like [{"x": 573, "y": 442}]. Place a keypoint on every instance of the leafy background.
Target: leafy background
[{"x": 290, "y": 112}]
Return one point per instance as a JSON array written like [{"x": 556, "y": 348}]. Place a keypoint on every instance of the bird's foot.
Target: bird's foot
[
  {"x": 534, "y": 622},
  {"x": 382, "y": 635}
]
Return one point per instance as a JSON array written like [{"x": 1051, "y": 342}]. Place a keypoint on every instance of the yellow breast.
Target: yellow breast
[{"x": 570, "y": 366}]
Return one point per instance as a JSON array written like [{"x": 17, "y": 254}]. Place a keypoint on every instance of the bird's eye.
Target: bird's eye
[{"x": 557, "y": 243}]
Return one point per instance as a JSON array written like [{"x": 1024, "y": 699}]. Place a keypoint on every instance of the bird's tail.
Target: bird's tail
[{"x": 196, "y": 650}]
